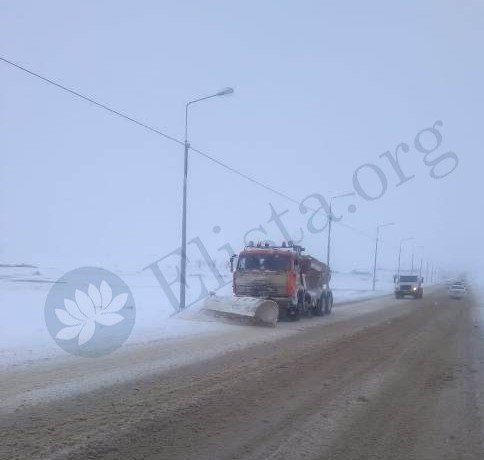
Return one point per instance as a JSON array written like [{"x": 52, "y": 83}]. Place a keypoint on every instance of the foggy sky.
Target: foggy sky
[{"x": 321, "y": 88}]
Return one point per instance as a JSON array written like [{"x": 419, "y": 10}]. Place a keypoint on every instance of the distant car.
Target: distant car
[{"x": 457, "y": 291}]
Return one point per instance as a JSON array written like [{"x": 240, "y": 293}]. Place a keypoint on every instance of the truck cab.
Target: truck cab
[{"x": 408, "y": 285}]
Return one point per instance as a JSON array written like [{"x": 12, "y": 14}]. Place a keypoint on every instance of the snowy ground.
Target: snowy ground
[{"x": 23, "y": 290}]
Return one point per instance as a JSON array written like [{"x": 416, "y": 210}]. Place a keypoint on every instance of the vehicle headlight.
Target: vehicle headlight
[{"x": 414, "y": 288}]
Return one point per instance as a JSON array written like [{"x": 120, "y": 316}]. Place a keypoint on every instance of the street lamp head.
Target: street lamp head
[
  {"x": 225, "y": 91},
  {"x": 387, "y": 225},
  {"x": 341, "y": 195}
]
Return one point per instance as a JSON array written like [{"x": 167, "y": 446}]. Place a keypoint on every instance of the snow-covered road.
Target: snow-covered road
[
  {"x": 65, "y": 375},
  {"x": 382, "y": 377}
]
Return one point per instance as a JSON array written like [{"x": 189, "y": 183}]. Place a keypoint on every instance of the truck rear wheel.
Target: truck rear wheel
[
  {"x": 318, "y": 310},
  {"x": 328, "y": 304},
  {"x": 307, "y": 309}
]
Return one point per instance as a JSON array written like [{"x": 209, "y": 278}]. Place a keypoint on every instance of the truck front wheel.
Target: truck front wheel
[{"x": 294, "y": 312}]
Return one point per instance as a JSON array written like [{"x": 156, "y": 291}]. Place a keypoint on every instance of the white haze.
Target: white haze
[{"x": 320, "y": 89}]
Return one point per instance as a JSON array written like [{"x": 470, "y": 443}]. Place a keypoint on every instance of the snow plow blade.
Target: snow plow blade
[{"x": 257, "y": 311}]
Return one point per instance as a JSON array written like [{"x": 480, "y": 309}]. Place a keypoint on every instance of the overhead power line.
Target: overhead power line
[
  {"x": 245, "y": 176},
  {"x": 92, "y": 101},
  {"x": 356, "y": 230},
  {"x": 166, "y": 136}
]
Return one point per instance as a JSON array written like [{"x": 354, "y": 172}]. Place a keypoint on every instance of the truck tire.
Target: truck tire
[
  {"x": 328, "y": 304},
  {"x": 294, "y": 314},
  {"x": 308, "y": 310},
  {"x": 318, "y": 310}
]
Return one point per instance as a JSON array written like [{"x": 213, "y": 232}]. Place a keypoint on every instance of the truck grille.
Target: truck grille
[
  {"x": 260, "y": 291},
  {"x": 257, "y": 285}
]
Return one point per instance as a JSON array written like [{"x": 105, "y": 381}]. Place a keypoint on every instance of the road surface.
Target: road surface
[{"x": 386, "y": 378}]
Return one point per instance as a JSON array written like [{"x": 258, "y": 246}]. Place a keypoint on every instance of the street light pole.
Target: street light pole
[
  {"x": 376, "y": 249},
  {"x": 422, "y": 250},
  {"x": 376, "y": 255},
  {"x": 400, "y": 253},
  {"x": 328, "y": 253},
  {"x": 183, "y": 253},
  {"x": 330, "y": 220},
  {"x": 183, "y": 261}
]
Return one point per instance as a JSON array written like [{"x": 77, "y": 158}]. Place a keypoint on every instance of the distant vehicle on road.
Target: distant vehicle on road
[
  {"x": 457, "y": 291},
  {"x": 411, "y": 285}
]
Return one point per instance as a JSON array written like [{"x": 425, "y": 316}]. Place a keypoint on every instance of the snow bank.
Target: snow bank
[{"x": 23, "y": 290}]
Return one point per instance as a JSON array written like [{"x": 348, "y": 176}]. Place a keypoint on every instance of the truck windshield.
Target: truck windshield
[
  {"x": 408, "y": 279},
  {"x": 272, "y": 262}
]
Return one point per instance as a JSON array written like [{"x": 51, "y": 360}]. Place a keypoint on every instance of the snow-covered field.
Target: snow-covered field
[{"x": 23, "y": 291}]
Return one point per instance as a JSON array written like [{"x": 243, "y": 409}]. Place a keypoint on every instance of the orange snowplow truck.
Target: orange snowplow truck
[{"x": 298, "y": 283}]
